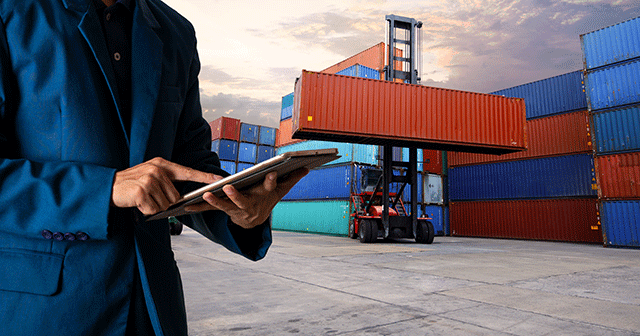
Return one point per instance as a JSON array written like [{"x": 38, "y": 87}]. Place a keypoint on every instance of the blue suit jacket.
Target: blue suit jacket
[{"x": 61, "y": 142}]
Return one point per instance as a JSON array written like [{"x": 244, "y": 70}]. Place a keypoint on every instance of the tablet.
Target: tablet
[{"x": 283, "y": 164}]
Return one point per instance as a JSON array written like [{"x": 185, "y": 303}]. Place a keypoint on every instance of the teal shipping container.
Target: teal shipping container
[
  {"x": 350, "y": 153},
  {"x": 326, "y": 217},
  {"x": 287, "y": 107}
]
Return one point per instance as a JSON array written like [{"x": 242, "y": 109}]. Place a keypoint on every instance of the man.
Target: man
[{"x": 100, "y": 124}]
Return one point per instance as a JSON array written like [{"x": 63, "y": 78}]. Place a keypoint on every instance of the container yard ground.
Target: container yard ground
[{"x": 325, "y": 285}]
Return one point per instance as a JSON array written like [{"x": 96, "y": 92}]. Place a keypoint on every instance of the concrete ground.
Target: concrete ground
[{"x": 322, "y": 285}]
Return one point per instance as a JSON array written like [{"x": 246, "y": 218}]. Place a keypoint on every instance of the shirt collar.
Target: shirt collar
[{"x": 128, "y": 4}]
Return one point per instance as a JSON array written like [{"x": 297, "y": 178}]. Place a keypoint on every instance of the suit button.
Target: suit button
[
  {"x": 81, "y": 236},
  {"x": 69, "y": 236},
  {"x": 58, "y": 236},
  {"x": 46, "y": 234}
]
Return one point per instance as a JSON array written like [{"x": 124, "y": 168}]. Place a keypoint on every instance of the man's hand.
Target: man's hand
[
  {"x": 251, "y": 208},
  {"x": 149, "y": 187}
]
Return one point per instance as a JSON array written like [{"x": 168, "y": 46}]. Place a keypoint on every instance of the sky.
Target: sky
[{"x": 252, "y": 51}]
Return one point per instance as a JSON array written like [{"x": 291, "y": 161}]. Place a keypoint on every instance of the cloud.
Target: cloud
[{"x": 249, "y": 110}]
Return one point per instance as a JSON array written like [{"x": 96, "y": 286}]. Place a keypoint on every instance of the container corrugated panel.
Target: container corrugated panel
[
  {"x": 572, "y": 220},
  {"x": 372, "y": 57},
  {"x": 561, "y": 176},
  {"x": 367, "y": 154},
  {"x": 559, "y": 94},
  {"x": 287, "y": 100},
  {"x": 247, "y": 152},
  {"x": 621, "y": 223},
  {"x": 287, "y": 107},
  {"x": 611, "y": 44},
  {"x": 619, "y": 175},
  {"x": 406, "y": 157},
  {"x": 613, "y": 86},
  {"x": 360, "y": 71},
  {"x": 283, "y": 136},
  {"x": 436, "y": 213},
  {"x": 331, "y": 182},
  {"x": 265, "y": 153},
  {"x": 228, "y": 166},
  {"x": 359, "y": 110},
  {"x": 267, "y": 136},
  {"x": 617, "y": 130},
  {"x": 326, "y": 217},
  {"x": 432, "y": 161},
  {"x": 562, "y": 134},
  {"x": 226, "y": 149},
  {"x": 249, "y": 133},
  {"x": 225, "y": 128}
]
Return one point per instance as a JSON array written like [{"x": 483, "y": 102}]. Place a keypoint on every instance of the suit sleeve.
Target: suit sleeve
[{"x": 193, "y": 149}]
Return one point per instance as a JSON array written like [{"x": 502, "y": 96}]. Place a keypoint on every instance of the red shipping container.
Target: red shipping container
[
  {"x": 432, "y": 161},
  {"x": 360, "y": 110},
  {"x": 283, "y": 136},
  {"x": 572, "y": 220},
  {"x": 563, "y": 134},
  {"x": 225, "y": 128},
  {"x": 619, "y": 175}
]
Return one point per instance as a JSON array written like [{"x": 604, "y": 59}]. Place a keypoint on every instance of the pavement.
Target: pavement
[{"x": 323, "y": 285}]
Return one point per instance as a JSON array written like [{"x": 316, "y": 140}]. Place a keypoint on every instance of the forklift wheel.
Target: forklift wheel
[
  {"x": 368, "y": 231},
  {"x": 425, "y": 232},
  {"x": 352, "y": 229}
]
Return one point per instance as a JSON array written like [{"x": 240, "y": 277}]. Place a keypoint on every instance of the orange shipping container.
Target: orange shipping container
[
  {"x": 283, "y": 136},
  {"x": 574, "y": 220},
  {"x": 349, "y": 109},
  {"x": 225, "y": 128},
  {"x": 563, "y": 134},
  {"x": 373, "y": 57},
  {"x": 619, "y": 175}
]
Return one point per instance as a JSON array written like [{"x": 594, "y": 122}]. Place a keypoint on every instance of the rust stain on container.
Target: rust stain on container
[
  {"x": 619, "y": 175},
  {"x": 563, "y": 134},
  {"x": 348, "y": 109},
  {"x": 572, "y": 220}
]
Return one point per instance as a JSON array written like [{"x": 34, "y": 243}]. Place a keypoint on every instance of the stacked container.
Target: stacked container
[
  {"x": 612, "y": 65},
  {"x": 240, "y": 145},
  {"x": 547, "y": 192}
]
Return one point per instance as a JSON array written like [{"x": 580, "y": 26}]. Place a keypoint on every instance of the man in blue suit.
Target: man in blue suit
[{"x": 100, "y": 124}]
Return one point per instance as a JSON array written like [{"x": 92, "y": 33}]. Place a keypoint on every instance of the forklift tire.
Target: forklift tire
[
  {"x": 352, "y": 229},
  {"x": 424, "y": 232},
  {"x": 176, "y": 228},
  {"x": 368, "y": 231}
]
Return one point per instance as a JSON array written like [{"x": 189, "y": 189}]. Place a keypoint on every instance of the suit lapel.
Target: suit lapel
[{"x": 146, "y": 69}]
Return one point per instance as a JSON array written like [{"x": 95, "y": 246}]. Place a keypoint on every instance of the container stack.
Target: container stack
[
  {"x": 547, "y": 192},
  {"x": 612, "y": 65},
  {"x": 240, "y": 145}
]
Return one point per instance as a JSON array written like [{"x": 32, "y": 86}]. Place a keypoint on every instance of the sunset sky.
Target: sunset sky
[{"x": 252, "y": 51}]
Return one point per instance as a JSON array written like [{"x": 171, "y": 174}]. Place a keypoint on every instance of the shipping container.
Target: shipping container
[
  {"x": 561, "y": 176},
  {"x": 432, "y": 161},
  {"x": 242, "y": 166},
  {"x": 227, "y": 149},
  {"x": 563, "y": 134},
  {"x": 228, "y": 166},
  {"x": 225, "y": 128},
  {"x": 406, "y": 192},
  {"x": 267, "y": 136},
  {"x": 617, "y": 130},
  {"x": 360, "y": 71},
  {"x": 287, "y": 107},
  {"x": 265, "y": 153},
  {"x": 330, "y": 182},
  {"x": 356, "y": 153},
  {"x": 434, "y": 192},
  {"x": 247, "y": 152},
  {"x": 619, "y": 175},
  {"x": 559, "y": 94},
  {"x": 283, "y": 136},
  {"x": 613, "y": 86},
  {"x": 373, "y": 57},
  {"x": 249, "y": 133},
  {"x": 571, "y": 220},
  {"x": 436, "y": 213},
  {"x": 612, "y": 44},
  {"x": 326, "y": 217},
  {"x": 360, "y": 110},
  {"x": 621, "y": 223}
]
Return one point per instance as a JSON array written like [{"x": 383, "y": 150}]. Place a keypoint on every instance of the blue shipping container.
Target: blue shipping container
[
  {"x": 406, "y": 193},
  {"x": 242, "y": 166},
  {"x": 330, "y": 182},
  {"x": 613, "y": 86},
  {"x": 265, "y": 153},
  {"x": 267, "y": 136},
  {"x": 621, "y": 223},
  {"x": 228, "y": 166},
  {"x": 553, "y": 95},
  {"x": 226, "y": 149},
  {"x": 367, "y": 154},
  {"x": 436, "y": 213},
  {"x": 361, "y": 71},
  {"x": 247, "y": 152},
  {"x": 249, "y": 133},
  {"x": 553, "y": 177},
  {"x": 286, "y": 111},
  {"x": 617, "y": 130},
  {"x": 611, "y": 44}
]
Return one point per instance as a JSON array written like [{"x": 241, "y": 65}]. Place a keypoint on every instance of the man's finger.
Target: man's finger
[{"x": 178, "y": 172}]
